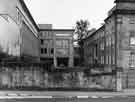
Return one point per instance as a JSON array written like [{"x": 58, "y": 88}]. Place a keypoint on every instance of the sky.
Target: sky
[{"x": 65, "y": 13}]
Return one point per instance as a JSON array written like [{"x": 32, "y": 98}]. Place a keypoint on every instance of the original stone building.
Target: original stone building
[
  {"x": 112, "y": 47},
  {"x": 18, "y": 31}
]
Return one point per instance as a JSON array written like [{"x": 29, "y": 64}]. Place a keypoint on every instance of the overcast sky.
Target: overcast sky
[{"x": 64, "y": 13}]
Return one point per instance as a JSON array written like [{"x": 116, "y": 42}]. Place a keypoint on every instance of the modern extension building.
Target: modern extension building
[
  {"x": 18, "y": 31},
  {"x": 56, "y": 45},
  {"x": 112, "y": 46}
]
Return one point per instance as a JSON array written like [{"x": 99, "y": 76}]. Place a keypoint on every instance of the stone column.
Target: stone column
[
  {"x": 71, "y": 53},
  {"x": 54, "y": 56}
]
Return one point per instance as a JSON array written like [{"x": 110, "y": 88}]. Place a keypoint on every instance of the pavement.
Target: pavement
[{"x": 68, "y": 94}]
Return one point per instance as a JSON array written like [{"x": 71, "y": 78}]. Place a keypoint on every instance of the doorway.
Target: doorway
[{"x": 62, "y": 62}]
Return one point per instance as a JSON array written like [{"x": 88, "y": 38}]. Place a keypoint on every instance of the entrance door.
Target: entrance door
[{"x": 62, "y": 62}]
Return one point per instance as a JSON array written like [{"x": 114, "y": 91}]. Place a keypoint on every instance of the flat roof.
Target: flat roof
[{"x": 57, "y": 29}]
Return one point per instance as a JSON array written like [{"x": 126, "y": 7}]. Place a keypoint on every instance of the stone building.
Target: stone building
[
  {"x": 19, "y": 32},
  {"x": 46, "y": 37},
  {"x": 112, "y": 47},
  {"x": 56, "y": 46}
]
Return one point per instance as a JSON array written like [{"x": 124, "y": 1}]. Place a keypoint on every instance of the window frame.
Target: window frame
[
  {"x": 132, "y": 60},
  {"x": 132, "y": 35}
]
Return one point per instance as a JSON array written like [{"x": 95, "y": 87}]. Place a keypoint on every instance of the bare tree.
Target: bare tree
[{"x": 81, "y": 30}]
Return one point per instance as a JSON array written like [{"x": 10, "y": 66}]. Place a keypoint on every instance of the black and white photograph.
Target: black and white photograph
[{"x": 67, "y": 50}]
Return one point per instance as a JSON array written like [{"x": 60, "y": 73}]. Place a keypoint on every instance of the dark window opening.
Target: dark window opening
[
  {"x": 42, "y": 50},
  {"x": 62, "y": 62},
  {"x": 45, "y": 50},
  {"x": 52, "y": 50},
  {"x": 42, "y": 41}
]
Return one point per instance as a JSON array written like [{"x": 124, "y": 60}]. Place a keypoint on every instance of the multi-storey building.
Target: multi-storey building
[
  {"x": 18, "y": 31},
  {"x": 46, "y": 37},
  {"x": 56, "y": 45},
  {"x": 112, "y": 47},
  {"x": 64, "y": 47}
]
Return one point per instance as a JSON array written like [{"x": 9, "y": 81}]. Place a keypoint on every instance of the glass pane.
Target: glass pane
[{"x": 132, "y": 40}]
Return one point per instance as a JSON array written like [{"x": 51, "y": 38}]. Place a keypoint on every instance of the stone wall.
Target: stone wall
[{"x": 11, "y": 77}]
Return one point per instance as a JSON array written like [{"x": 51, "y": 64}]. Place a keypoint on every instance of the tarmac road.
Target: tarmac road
[
  {"x": 118, "y": 99},
  {"x": 61, "y": 96}
]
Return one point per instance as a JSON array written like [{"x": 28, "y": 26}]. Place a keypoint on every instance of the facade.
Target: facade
[
  {"x": 112, "y": 47},
  {"x": 57, "y": 46},
  {"x": 19, "y": 32},
  {"x": 46, "y": 37},
  {"x": 64, "y": 47}
]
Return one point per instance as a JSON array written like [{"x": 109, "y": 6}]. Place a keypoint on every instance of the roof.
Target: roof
[
  {"x": 28, "y": 13},
  {"x": 57, "y": 29},
  {"x": 117, "y": 1},
  {"x": 102, "y": 27},
  {"x": 45, "y": 26}
]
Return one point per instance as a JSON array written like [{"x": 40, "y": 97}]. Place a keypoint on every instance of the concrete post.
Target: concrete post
[{"x": 119, "y": 79}]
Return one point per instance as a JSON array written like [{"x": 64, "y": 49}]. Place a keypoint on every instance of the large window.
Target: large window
[
  {"x": 131, "y": 20},
  {"x": 132, "y": 60},
  {"x": 43, "y": 50},
  {"x": 132, "y": 38},
  {"x": 106, "y": 59},
  {"x": 58, "y": 43},
  {"x": 113, "y": 39},
  {"x": 110, "y": 60},
  {"x": 62, "y": 43},
  {"x": 113, "y": 59},
  {"x": 102, "y": 45}
]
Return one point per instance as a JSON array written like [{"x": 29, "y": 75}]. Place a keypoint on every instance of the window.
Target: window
[
  {"x": 119, "y": 20},
  {"x": 132, "y": 20},
  {"x": 113, "y": 59},
  {"x": 41, "y": 34},
  {"x": 106, "y": 59},
  {"x": 132, "y": 38},
  {"x": 109, "y": 41},
  {"x": 113, "y": 40},
  {"x": 51, "y": 42},
  {"x": 65, "y": 43},
  {"x": 58, "y": 43},
  {"x": 52, "y": 50},
  {"x": 45, "y": 50},
  {"x": 132, "y": 60},
  {"x": 42, "y": 50},
  {"x": 102, "y": 46},
  {"x": 110, "y": 60},
  {"x": 103, "y": 60},
  {"x": 42, "y": 41}
]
